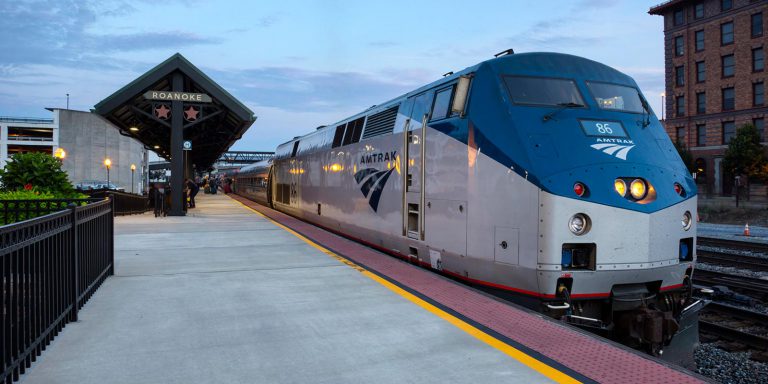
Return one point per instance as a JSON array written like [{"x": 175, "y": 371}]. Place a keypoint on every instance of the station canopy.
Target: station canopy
[{"x": 212, "y": 118}]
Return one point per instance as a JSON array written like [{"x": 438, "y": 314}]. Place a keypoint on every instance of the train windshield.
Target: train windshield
[
  {"x": 616, "y": 97},
  {"x": 543, "y": 91}
]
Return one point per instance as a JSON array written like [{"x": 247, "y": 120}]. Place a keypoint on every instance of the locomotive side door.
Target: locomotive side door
[{"x": 413, "y": 158}]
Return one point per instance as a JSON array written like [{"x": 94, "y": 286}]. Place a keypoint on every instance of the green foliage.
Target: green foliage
[
  {"x": 23, "y": 205},
  {"x": 745, "y": 155},
  {"x": 686, "y": 156},
  {"x": 39, "y": 171}
]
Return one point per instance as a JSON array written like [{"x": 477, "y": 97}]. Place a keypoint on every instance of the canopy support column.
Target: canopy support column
[{"x": 177, "y": 150}]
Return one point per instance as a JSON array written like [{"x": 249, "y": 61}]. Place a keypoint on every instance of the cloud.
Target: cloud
[
  {"x": 297, "y": 89},
  {"x": 148, "y": 40}
]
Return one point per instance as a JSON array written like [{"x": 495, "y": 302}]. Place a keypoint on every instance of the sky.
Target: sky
[{"x": 301, "y": 64}]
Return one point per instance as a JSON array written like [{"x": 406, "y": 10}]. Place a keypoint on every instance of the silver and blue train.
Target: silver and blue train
[{"x": 543, "y": 177}]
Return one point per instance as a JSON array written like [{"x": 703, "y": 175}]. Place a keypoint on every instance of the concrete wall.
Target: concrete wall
[{"x": 88, "y": 139}]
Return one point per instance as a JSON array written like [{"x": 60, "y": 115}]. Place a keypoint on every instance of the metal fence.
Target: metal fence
[
  {"x": 50, "y": 266},
  {"x": 12, "y": 211},
  {"x": 125, "y": 203}
]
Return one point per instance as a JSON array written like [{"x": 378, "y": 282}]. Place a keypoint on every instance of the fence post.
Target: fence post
[
  {"x": 111, "y": 235},
  {"x": 75, "y": 262}
]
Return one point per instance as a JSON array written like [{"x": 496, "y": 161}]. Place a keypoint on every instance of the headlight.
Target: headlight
[
  {"x": 621, "y": 187},
  {"x": 579, "y": 224},
  {"x": 638, "y": 189},
  {"x": 687, "y": 220}
]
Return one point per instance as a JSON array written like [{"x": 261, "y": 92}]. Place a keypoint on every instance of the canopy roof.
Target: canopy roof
[{"x": 213, "y": 130}]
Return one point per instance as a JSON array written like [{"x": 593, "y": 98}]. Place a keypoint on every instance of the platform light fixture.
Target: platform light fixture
[
  {"x": 133, "y": 170},
  {"x": 108, "y": 164},
  {"x": 60, "y": 153},
  {"x": 133, "y": 129}
]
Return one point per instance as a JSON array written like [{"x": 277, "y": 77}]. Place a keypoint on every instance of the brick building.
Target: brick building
[{"x": 714, "y": 59}]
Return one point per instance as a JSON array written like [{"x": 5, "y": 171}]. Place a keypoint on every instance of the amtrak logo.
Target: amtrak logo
[
  {"x": 372, "y": 182},
  {"x": 617, "y": 150}
]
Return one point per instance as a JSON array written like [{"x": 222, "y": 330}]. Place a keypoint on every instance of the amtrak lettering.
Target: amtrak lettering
[
  {"x": 377, "y": 157},
  {"x": 615, "y": 141}
]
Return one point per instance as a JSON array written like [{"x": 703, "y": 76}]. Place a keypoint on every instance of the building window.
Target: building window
[
  {"x": 729, "y": 101},
  {"x": 726, "y": 5},
  {"x": 680, "y": 76},
  {"x": 758, "y": 59},
  {"x": 699, "y": 40},
  {"x": 758, "y": 94},
  {"x": 757, "y": 24},
  {"x": 679, "y": 46},
  {"x": 679, "y": 17},
  {"x": 680, "y": 106},
  {"x": 681, "y": 135},
  {"x": 760, "y": 125},
  {"x": 728, "y": 66},
  {"x": 701, "y": 103},
  {"x": 701, "y": 135},
  {"x": 701, "y": 72},
  {"x": 698, "y": 11},
  {"x": 726, "y": 33},
  {"x": 729, "y": 130}
]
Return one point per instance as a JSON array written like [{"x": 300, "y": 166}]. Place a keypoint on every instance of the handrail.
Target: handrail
[{"x": 51, "y": 265}]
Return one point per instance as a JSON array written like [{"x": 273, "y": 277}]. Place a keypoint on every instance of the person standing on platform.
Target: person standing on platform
[
  {"x": 193, "y": 190},
  {"x": 213, "y": 183}
]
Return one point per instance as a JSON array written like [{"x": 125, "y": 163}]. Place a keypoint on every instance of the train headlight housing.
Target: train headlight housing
[
  {"x": 638, "y": 189},
  {"x": 621, "y": 187},
  {"x": 687, "y": 220},
  {"x": 579, "y": 224}
]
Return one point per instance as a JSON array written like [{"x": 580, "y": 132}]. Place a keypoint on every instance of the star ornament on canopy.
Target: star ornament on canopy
[
  {"x": 162, "y": 112},
  {"x": 191, "y": 113}
]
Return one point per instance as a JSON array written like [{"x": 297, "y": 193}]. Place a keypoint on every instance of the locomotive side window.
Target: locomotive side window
[
  {"x": 338, "y": 136},
  {"x": 354, "y": 130},
  {"x": 616, "y": 97},
  {"x": 441, "y": 104}
]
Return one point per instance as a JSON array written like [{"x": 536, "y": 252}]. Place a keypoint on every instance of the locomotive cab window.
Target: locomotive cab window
[
  {"x": 442, "y": 103},
  {"x": 544, "y": 91},
  {"x": 616, "y": 97}
]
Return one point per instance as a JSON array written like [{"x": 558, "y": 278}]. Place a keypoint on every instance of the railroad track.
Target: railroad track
[
  {"x": 733, "y": 244},
  {"x": 733, "y": 260},
  {"x": 756, "y": 288},
  {"x": 735, "y": 324}
]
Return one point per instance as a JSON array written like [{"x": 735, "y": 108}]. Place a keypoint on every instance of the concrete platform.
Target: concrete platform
[{"x": 226, "y": 296}]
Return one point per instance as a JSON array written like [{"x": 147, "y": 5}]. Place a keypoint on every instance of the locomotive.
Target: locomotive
[{"x": 542, "y": 177}]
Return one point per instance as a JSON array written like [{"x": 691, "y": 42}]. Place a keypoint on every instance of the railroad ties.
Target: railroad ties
[{"x": 730, "y": 321}]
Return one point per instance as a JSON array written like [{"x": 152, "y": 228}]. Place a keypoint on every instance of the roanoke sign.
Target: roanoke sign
[{"x": 177, "y": 96}]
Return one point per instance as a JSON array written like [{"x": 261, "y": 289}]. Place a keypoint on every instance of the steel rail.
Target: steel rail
[
  {"x": 733, "y": 244},
  {"x": 757, "y": 288},
  {"x": 721, "y": 329},
  {"x": 733, "y": 260}
]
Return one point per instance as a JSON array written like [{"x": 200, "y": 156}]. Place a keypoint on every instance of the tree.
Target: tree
[
  {"x": 39, "y": 171},
  {"x": 686, "y": 156},
  {"x": 745, "y": 155}
]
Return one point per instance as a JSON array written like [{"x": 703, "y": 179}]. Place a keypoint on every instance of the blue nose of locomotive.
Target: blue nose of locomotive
[{"x": 580, "y": 129}]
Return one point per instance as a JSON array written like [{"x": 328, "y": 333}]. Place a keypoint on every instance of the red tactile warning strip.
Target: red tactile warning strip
[{"x": 581, "y": 354}]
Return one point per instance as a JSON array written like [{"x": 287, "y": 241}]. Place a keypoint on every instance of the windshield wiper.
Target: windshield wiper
[
  {"x": 647, "y": 111},
  {"x": 561, "y": 106}
]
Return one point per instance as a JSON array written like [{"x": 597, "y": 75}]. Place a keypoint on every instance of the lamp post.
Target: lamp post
[
  {"x": 663, "y": 107},
  {"x": 133, "y": 169},
  {"x": 108, "y": 164}
]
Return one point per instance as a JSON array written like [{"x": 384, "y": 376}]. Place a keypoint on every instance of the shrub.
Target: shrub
[
  {"x": 13, "y": 208},
  {"x": 39, "y": 171}
]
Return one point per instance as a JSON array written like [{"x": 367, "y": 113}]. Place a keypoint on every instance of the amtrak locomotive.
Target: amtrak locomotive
[{"x": 545, "y": 177}]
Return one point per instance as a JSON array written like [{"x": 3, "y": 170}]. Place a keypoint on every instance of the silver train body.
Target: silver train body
[{"x": 417, "y": 192}]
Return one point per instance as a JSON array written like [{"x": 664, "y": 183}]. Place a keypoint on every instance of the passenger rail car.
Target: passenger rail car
[{"x": 543, "y": 176}]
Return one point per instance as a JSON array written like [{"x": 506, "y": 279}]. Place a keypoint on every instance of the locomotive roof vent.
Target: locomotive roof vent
[
  {"x": 504, "y": 53},
  {"x": 447, "y": 73}
]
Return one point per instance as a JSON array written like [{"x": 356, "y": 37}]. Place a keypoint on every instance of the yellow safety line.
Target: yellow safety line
[{"x": 507, "y": 349}]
